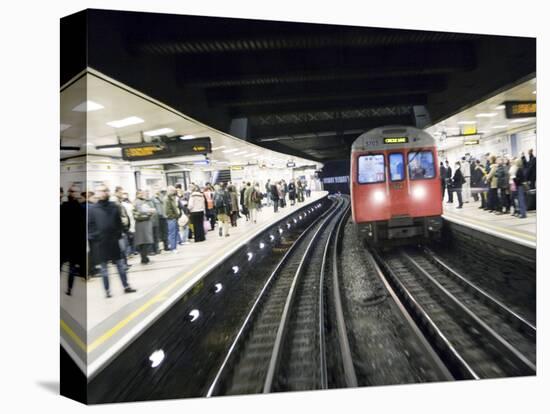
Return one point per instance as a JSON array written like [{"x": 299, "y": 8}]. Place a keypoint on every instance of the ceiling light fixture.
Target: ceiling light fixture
[
  {"x": 500, "y": 107},
  {"x": 498, "y": 126},
  {"x": 157, "y": 132},
  {"x": 486, "y": 115},
  {"x": 520, "y": 120},
  {"x": 87, "y": 106},
  {"x": 466, "y": 122},
  {"x": 187, "y": 137},
  {"x": 121, "y": 123},
  {"x": 217, "y": 148}
]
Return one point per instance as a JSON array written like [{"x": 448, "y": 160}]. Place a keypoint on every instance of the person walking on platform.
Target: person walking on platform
[
  {"x": 442, "y": 176},
  {"x": 124, "y": 217},
  {"x": 465, "y": 170},
  {"x": 458, "y": 181},
  {"x": 299, "y": 191},
  {"x": 143, "y": 213},
  {"x": 268, "y": 192},
  {"x": 172, "y": 214},
  {"x": 244, "y": 210},
  {"x": 104, "y": 232},
  {"x": 521, "y": 185},
  {"x": 197, "y": 207},
  {"x": 449, "y": 182},
  {"x": 249, "y": 202},
  {"x": 234, "y": 205},
  {"x": 292, "y": 192},
  {"x": 222, "y": 204},
  {"x": 275, "y": 197},
  {"x": 284, "y": 190},
  {"x": 73, "y": 235}
]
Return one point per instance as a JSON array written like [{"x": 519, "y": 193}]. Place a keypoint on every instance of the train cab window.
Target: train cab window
[
  {"x": 421, "y": 165},
  {"x": 370, "y": 169},
  {"x": 397, "y": 168}
]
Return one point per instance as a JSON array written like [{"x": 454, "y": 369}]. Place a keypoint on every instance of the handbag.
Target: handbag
[
  {"x": 183, "y": 220},
  {"x": 207, "y": 226}
]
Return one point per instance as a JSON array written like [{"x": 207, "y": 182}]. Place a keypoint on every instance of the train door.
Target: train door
[{"x": 398, "y": 184}]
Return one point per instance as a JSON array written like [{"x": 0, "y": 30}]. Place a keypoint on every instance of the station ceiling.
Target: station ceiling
[{"x": 303, "y": 89}]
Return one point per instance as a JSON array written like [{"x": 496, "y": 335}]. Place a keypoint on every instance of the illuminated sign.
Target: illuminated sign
[
  {"x": 471, "y": 142},
  {"x": 167, "y": 148},
  {"x": 396, "y": 140},
  {"x": 519, "y": 109},
  {"x": 469, "y": 130},
  {"x": 236, "y": 167},
  {"x": 291, "y": 164}
]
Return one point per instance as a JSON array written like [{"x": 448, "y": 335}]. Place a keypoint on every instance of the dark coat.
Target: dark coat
[
  {"x": 144, "y": 228},
  {"x": 291, "y": 191},
  {"x": 458, "y": 179},
  {"x": 477, "y": 177},
  {"x": 104, "y": 231},
  {"x": 274, "y": 192}
]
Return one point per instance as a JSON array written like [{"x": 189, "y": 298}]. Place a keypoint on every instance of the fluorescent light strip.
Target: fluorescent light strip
[
  {"x": 121, "y": 123},
  {"x": 217, "y": 148},
  {"x": 520, "y": 120},
  {"x": 466, "y": 122},
  {"x": 499, "y": 126},
  {"x": 157, "y": 132},
  {"x": 187, "y": 137},
  {"x": 87, "y": 106},
  {"x": 486, "y": 115},
  {"x": 500, "y": 107}
]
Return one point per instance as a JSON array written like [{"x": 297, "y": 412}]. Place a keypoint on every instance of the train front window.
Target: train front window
[
  {"x": 370, "y": 169},
  {"x": 421, "y": 165},
  {"x": 397, "y": 168}
]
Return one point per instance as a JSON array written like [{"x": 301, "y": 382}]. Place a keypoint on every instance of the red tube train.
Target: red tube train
[{"x": 396, "y": 185}]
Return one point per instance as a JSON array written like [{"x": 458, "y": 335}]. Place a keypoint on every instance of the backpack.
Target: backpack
[
  {"x": 219, "y": 200},
  {"x": 501, "y": 177},
  {"x": 254, "y": 196}
]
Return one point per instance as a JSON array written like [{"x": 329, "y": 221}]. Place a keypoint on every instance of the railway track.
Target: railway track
[
  {"x": 476, "y": 335},
  {"x": 281, "y": 344}
]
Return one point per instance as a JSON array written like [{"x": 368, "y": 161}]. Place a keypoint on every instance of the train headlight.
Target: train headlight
[
  {"x": 378, "y": 196},
  {"x": 419, "y": 193}
]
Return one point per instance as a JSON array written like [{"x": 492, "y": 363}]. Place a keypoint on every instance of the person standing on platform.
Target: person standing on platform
[
  {"x": 210, "y": 212},
  {"x": 143, "y": 212},
  {"x": 292, "y": 192},
  {"x": 275, "y": 197},
  {"x": 197, "y": 207},
  {"x": 132, "y": 229},
  {"x": 158, "y": 202},
  {"x": 478, "y": 185},
  {"x": 249, "y": 202},
  {"x": 502, "y": 186},
  {"x": 449, "y": 182},
  {"x": 104, "y": 232},
  {"x": 245, "y": 210},
  {"x": 268, "y": 192},
  {"x": 531, "y": 175},
  {"x": 520, "y": 182},
  {"x": 284, "y": 190},
  {"x": 465, "y": 170},
  {"x": 154, "y": 248},
  {"x": 172, "y": 214},
  {"x": 458, "y": 182},
  {"x": 491, "y": 179},
  {"x": 73, "y": 235},
  {"x": 442, "y": 175},
  {"x": 474, "y": 191},
  {"x": 222, "y": 204}
]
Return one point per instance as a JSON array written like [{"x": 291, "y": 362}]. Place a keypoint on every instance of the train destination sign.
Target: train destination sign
[
  {"x": 521, "y": 109},
  {"x": 166, "y": 149},
  {"x": 396, "y": 140}
]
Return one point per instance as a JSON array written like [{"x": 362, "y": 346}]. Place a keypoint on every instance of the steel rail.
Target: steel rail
[
  {"x": 490, "y": 300},
  {"x": 502, "y": 343},
  {"x": 283, "y": 325},
  {"x": 214, "y": 386}
]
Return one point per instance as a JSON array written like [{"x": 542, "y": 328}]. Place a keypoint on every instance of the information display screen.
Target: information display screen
[
  {"x": 371, "y": 169},
  {"x": 169, "y": 149},
  {"x": 396, "y": 140}
]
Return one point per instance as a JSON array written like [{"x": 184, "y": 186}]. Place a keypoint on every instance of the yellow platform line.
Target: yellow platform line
[
  {"x": 497, "y": 228},
  {"x": 73, "y": 335},
  {"x": 159, "y": 297}
]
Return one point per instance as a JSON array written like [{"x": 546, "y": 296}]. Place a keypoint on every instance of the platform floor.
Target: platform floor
[
  {"x": 97, "y": 331},
  {"x": 506, "y": 226}
]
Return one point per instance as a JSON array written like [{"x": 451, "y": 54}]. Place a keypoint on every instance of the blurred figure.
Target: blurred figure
[
  {"x": 73, "y": 236},
  {"x": 132, "y": 229},
  {"x": 465, "y": 170},
  {"x": 520, "y": 183},
  {"x": 123, "y": 242},
  {"x": 531, "y": 170},
  {"x": 442, "y": 175},
  {"x": 491, "y": 179},
  {"x": 449, "y": 182},
  {"x": 158, "y": 202},
  {"x": 234, "y": 205},
  {"x": 458, "y": 181},
  {"x": 478, "y": 182},
  {"x": 143, "y": 238},
  {"x": 282, "y": 193},
  {"x": 222, "y": 204},
  {"x": 250, "y": 203},
  {"x": 197, "y": 206},
  {"x": 104, "y": 232},
  {"x": 292, "y": 192},
  {"x": 268, "y": 192},
  {"x": 502, "y": 180},
  {"x": 244, "y": 205},
  {"x": 275, "y": 197},
  {"x": 210, "y": 212},
  {"x": 172, "y": 214}
]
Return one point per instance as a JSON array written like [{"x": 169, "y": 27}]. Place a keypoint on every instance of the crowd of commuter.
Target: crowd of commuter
[
  {"x": 501, "y": 184},
  {"x": 151, "y": 224}
]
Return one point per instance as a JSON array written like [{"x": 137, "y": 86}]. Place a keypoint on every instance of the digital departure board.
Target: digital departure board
[
  {"x": 166, "y": 149},
  {"x": 523, "y": 109},
  {"x": 396, "y": 140}
]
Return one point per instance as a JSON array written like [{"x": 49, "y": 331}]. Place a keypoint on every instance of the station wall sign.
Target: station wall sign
[
  {"x": 469, "y": 130},
  {"x": 236, "y": 168},
  {"x": 471, "y": 142},
  {"x": 175, "y": 148},
  {"x": 291, "y": 164},
  {"x": 521, "y": 109}
]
